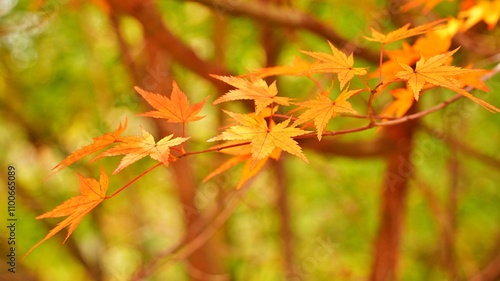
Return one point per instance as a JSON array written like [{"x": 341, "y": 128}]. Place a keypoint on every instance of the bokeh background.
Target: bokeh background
[{"x": 67, "y": 71}]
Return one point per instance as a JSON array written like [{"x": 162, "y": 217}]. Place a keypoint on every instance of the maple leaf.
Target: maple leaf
[
  {"x": 428, "y": 5},
  {"x": 437, "y": 41},
  {"x": 97, "y": 144},
  {"x": 433, "y": 71},
  {"x": 299, "y": 67},
  {"x": 258, "y": 90},
  {"x": 138, "y": 147},
  {"x": 402, "y": 33},
  {"x": 175, "y": 109},
  {"x": 403, "y": 101},
  {"x": 473, "y": 79},
  {"x": 92, "y": 193},
  {"x": 337, "y": 63},
  {"x": 487, "y": 11},
  {"x": 242, "y": 155},
  {"x": 322, "y": 109},
  {"x": 263, "y": 139}
]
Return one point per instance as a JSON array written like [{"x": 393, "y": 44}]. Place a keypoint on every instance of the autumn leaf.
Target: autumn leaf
[
  {"x": 97, "y": 144},
  {"x": 175, "y": 109},
  {"x": 138, "y": 147},
  {"x": 487, "y": 11},
  {"x": 263, "y": 139},
  {"x": 403, "y": 101},
  {"x": 437, "y": 41},
  {"x": 428, "y": 5},
  {"x": 299, "y": 67},
  {"x": 433, "y": 71},
  {"x": 388, "y": 69},
  {"x": 402, "y": 33},
  {"x": 241, "y": 154},
  {"x": 92, "y": 193},
  {"x": 322, "y": 109},
  {"x": 258, "y": 90},
  {"x": 337, "y": 63},
  {"x": 473, "y": 79}
]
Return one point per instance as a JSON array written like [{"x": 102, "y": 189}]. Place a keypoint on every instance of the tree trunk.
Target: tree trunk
[{"x": 399, "y": 170}]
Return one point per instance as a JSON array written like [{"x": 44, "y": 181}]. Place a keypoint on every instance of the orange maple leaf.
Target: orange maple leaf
[
  {"x": 402, "y": 33},
  {"x": 176, "y": 109},
  {"x": 487, "y": 11},
  {"x": 258, "y": 90},
  {"x": 473, "y": 79},
  {"x": 263, "y": 138},
  {"x": 97, "y": 144},
  {"x": 337, "y": 63},
  {"x": 299, "y": 67},
  {"x": 322, "y": 109},
  {"x": 403, "y": 101},
  {"x": 138, "y": 147},
  {"x": 92, "y": 193},
  {"x": 241, "y": 154},
  {"x": 433, "y": 71},
  {"x": 428, "y": 5}
]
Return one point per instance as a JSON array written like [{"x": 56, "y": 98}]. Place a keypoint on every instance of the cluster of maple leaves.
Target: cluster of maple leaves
[{"x": 257, "y": 136}]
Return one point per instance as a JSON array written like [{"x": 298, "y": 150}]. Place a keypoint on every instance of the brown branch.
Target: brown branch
[
  {"x": 419, "y": 114},
  {"x": 287, "y": 17},
  {"x": 490, "y": 273},
  {"x": 153, "y": 27},
  {"x": 127, "y": 59}
]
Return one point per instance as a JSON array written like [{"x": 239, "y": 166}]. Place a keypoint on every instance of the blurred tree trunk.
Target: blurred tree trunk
[
  {"x": 393, "y": 199},
  {"x": 156, "y": 77}
]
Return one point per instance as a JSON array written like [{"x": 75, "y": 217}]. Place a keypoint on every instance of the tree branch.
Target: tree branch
[{"x": 287, "y": 17}]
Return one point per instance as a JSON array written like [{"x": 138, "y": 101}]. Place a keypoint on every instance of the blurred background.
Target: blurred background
[{"x": 417, "y": 201}]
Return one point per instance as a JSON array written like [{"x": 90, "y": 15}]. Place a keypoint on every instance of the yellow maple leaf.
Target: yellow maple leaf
[
  {"x": 98, "y": 143},
  {"x": 403, "y": 101},
  {"x": 242, "y": 155},
  {"x": 258, "y": 90},
  {"x": 263, "y": 138},
  {"x": 402, "y": 33},
  {"x": 92, "y": 193},
  {"x": 299, "y": 67},
  {"x": 322, "y": 109},
  {"x": 428, "y": 5},
  {"x": 337, "y": 63},
  {"x": 137, "y": 147},
  {"x": 487, "y": 11},
  {"x": 433, "y": 71}
]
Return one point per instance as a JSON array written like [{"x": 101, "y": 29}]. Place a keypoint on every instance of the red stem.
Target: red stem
[{"x": 133, "y": 180}]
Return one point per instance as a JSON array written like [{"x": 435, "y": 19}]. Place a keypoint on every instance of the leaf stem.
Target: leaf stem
[
  {"x": 133, "y": 180},
  {"x": 380, "y": 62},
  {"x": 213, "y": 149},
  {"x": 183, "y": 134},
  {"x": 320, "y": 87}
]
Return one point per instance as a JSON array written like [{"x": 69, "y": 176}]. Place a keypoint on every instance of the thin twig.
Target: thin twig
[{"x": 133, "y": 180}]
